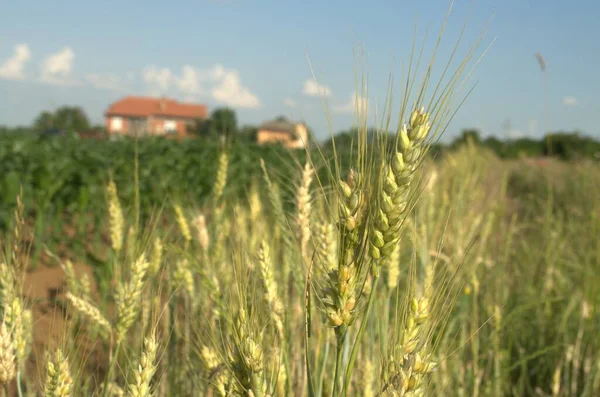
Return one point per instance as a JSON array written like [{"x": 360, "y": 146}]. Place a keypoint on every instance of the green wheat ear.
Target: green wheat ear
[{"x": 374, "y": 200}]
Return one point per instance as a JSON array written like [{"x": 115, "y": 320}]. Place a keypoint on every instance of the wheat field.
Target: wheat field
[{"x": 381, "y": 271}]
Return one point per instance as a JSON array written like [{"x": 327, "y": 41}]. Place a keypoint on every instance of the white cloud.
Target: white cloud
[
  {"x": 224, "y": 85},
  {"x": 230, "y": 91},
  {"x": 157, "y": 79},
  {"x": 289, "y": 102},
  {"x": 57, "y": 68},
  {"x": 104, "y": 82},
  {"x": 313, "y": 88},
  {"x": 569, "y": 101},
  {"x": 356, "y": 102},
  {"x": 12, "y": 68},
  {"x": 190, "y": 80},
  {"x": 217, "y": 72}
]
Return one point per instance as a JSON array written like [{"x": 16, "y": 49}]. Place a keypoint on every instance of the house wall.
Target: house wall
[
  {"x": 124, "y": 126},
  {"x": 303, "y": 137},
  {"x": 155, "y": 126},
  {"x": 158, "y": 125},
  {"x": 268, "y": 136}
]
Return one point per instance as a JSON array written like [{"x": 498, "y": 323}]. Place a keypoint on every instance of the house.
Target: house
[
  {"x": 292, "y": 135},
  {"x": 152, "y": 116}
]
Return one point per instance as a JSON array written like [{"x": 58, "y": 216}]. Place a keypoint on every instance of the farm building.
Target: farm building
[
  {"x": 152, "y": 116},
  {"x": 291, "y": 134}
]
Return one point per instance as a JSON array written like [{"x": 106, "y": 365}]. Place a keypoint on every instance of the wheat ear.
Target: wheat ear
[
  {"x": 58, "y": 376},
  {"x": 8, "y": 366},
  {"x": 145, "y": 371},
  {"x": 90, "y": 311},
  {"x": 115, "y": 216}
]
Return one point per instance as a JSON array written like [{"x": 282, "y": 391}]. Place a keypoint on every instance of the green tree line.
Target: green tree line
[{"x": 223, "y": 123}]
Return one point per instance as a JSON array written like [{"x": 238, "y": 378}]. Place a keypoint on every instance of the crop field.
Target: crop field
[
  {"x": 370, "y": 267},
  {"x": 243, "y": 280}
]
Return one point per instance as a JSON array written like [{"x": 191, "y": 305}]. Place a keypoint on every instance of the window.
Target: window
[
  {"x": 116, "y": 124},
  {"x": 170, "y": 126}
]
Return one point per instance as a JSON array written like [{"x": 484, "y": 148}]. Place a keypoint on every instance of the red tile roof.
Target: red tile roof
[{"x": 144, "y": 106}]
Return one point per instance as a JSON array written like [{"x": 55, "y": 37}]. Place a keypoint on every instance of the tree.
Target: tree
[
  {"x": 71, "y": 118},
  {"x": 68, "y": 118},
  {"x": 200, "y": 127},
  {"x": 223, "y": 122},
  {"x": 43, "y": 121},
  {"x": 248, "y": 133},
  {"x": 469, "y": 135}
]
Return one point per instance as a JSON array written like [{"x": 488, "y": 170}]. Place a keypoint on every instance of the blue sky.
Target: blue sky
[{"x": 253, "y": 56}]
